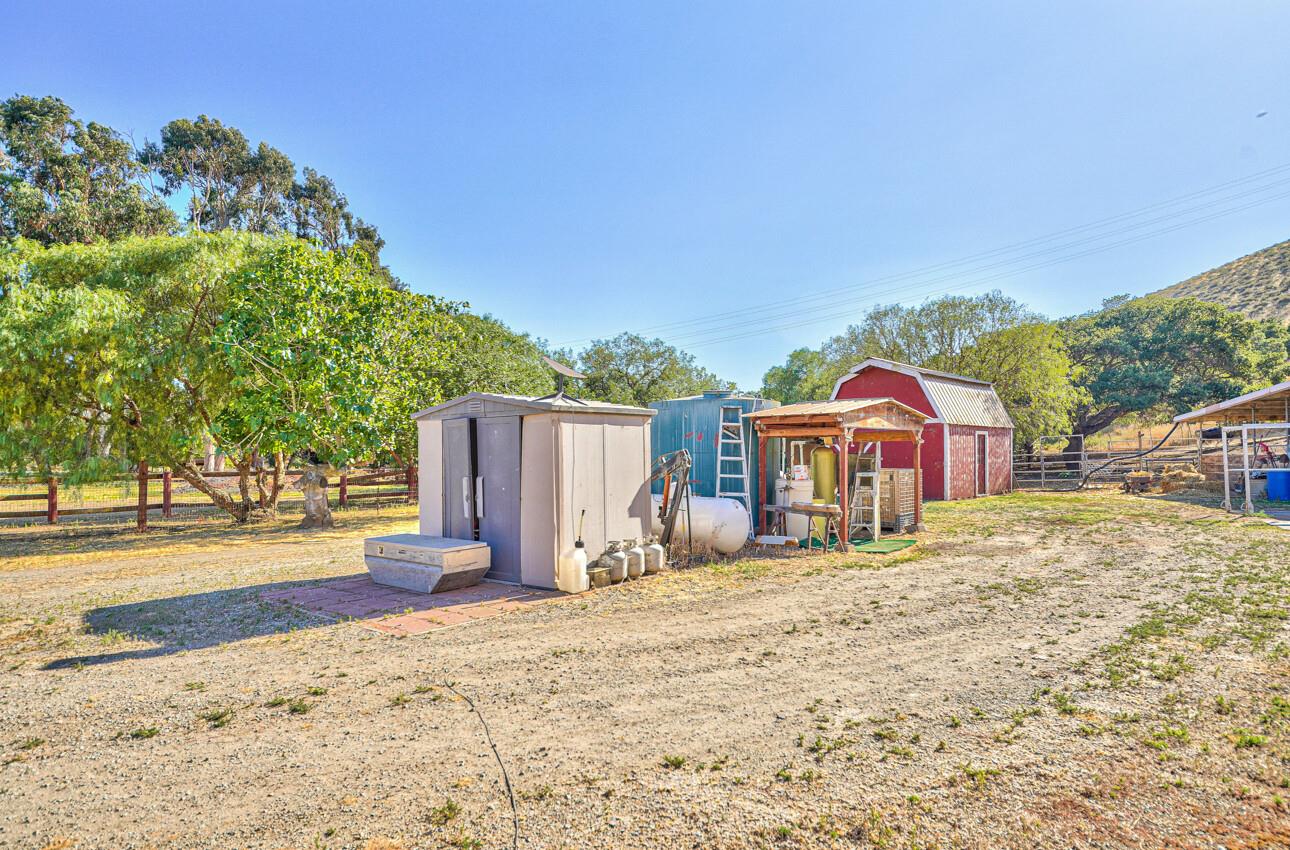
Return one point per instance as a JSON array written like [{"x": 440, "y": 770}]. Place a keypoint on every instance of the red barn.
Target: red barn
[{"x": 967, "y": 444}]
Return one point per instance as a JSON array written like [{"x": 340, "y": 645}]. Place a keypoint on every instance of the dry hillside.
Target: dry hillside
[{"x": 1257, "y": 284}]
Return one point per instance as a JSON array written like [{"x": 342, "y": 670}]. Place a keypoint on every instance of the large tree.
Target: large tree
[
  {"x": 62, "y": 180},
  {"x": 630, "y": 369},
  {"x": 139, "y": 350},
  {"x": 1162, "y": 356},
  {"x": 990, "y": 337}
]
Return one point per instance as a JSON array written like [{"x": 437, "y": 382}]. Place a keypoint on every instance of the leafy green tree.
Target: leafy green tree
[
  {"x": 62, "y": 180},
  {"x": 269, "y": 347},
  {"x": 208, "y": 159},
  {"x": 803, "y": 377},
  {"x": 1164, "y": 356},
  {"x": 630, "y": 369},
  {"x": 990, "y": 337},
  {"x": 490, "y": 357}
]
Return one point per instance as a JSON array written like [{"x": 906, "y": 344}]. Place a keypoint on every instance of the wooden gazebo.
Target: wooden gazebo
[{"x": 861, "y": 420}]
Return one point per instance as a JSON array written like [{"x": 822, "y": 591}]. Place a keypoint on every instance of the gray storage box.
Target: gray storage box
[{"x": 425, "y": 564}]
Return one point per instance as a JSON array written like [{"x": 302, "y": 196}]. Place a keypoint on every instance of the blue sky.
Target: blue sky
[{"x": 579, "y": 169}]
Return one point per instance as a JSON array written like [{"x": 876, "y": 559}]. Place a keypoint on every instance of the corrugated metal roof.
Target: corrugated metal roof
[
  {"x": 1267, "y": 394},
  {"x": 966, "y": 402},
  {"x": 563, "y": 404}
]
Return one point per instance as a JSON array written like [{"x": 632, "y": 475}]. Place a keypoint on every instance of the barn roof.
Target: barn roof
[
  {"x": 956, "y": 399},
  {"x": 1270, "y": 404}
]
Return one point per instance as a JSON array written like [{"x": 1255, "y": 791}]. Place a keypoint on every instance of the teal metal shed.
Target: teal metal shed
[{"x": 694, "y": 423}]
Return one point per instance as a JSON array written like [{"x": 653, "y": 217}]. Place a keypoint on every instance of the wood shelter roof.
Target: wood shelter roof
[
  {"x": 1270, "y": 404},
  {"x": 867, "y": 414}
]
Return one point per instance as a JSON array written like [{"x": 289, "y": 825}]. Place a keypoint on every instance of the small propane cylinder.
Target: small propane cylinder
[
  {"x": 655, "y": 556},
  {"x": 616, "y": 561},
  {"x": 635, "y": 559}
]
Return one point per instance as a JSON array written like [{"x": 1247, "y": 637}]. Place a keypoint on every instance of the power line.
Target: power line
[{"x": 725, "y": 316}]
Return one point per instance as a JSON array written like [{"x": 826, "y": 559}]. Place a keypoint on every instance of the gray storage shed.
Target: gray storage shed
[{"x": 517, "y": 472}]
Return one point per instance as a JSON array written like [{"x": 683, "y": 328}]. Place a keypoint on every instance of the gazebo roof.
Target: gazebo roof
[{"x": 864, "y": 414}]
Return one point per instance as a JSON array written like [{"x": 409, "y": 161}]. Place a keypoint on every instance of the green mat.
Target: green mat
[{"x": 883, "y": 546}]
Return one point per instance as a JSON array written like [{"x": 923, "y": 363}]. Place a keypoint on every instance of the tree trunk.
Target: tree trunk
[
  {"x": 222, "y": 500},
  {"x": 317, "y": 509}
]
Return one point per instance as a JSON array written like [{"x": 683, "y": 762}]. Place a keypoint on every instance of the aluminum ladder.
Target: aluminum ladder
[{"x": 732, "y": 482}]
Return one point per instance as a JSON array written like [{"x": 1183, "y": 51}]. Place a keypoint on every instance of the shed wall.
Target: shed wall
[
  {"x": 963, "y": 467},
  {"x": 430, "y": 476},
  {"x": 538, "y": 544}
]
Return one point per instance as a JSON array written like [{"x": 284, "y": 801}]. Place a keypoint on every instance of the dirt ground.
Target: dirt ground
[{"x": 1050, "y": 671}]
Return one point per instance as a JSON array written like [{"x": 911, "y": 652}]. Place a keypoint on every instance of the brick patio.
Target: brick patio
[{"x": 404, "y": 612}]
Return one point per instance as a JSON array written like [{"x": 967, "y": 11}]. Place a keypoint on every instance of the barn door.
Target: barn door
[
  {"x": 458, "y": 481},
  {"x": 497, "y": 493},
  {"x": 982, "y": 463}
]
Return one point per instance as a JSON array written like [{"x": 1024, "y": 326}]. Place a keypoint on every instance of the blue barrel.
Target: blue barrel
[{"x": 1279, "y": 485}]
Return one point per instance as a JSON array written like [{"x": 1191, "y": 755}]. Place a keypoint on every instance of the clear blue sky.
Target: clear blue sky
[{"x": 582, "y": 168}]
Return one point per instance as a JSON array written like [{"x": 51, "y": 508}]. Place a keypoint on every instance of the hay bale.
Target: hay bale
[{"x": 1180, "y": 476}]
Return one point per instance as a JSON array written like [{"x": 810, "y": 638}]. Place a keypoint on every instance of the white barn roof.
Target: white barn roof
[{"x": 956, "y": 399}]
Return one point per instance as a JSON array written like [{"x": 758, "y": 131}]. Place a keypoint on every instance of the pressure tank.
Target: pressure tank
[
  {"x": 572, "y": 575},
  {"x": 616, "y": 561},
  {"x": 635, "y": 559},
  {"x": 786, "y": 493},
  {"x": 655, "y": 556},
  {"x": 722, "y": 525}
]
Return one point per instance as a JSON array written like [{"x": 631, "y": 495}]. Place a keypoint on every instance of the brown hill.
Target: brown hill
[{"x": 1257, "y": 285}]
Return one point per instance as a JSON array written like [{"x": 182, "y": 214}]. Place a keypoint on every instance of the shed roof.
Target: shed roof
[
  {"x": 1270, "y": 404},
  {"x": 521, "y": 403},
  {"x": 956, "y": 399}
]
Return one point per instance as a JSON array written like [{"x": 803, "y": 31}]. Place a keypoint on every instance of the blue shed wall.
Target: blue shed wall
[{"x": 694, "y": 424}]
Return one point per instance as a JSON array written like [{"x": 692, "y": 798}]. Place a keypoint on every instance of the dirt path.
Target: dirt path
[{"x": 961, "y": 695}]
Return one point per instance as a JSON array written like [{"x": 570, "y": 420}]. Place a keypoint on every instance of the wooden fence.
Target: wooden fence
[
  {"x": 138, "y": 493},
  {"x": 1061, "y": 463}
]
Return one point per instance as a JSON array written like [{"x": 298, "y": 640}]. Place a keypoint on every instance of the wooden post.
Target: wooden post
[
  {"x": 51, "y": 512},
  {"x": 844, "y": 525},
  {"x": 918, "y": 483},
  {"x": 412, "y": 483},
  {"x": 165, "y": 494},
  {"x": 142, "y": 520},
  {"x": 760, "y": 521},
  {"x": 343, "y": 498}
]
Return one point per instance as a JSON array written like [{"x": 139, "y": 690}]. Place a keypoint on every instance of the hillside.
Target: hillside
[{"x": 1257, "y": 285}]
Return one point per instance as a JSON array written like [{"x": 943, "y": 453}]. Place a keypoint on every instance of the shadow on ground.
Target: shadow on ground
[{"x": 196, "y": 621}]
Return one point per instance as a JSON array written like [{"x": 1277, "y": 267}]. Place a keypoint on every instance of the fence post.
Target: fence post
[
  {"x": 143, "y": 496},
  {"x": 344, "y": 488},
  {"x": 165, "y": 494},
  {"x": 412, "y": 483},
  {"x": 1042, "y": 477},
  {"x": 51, "y": 513}
]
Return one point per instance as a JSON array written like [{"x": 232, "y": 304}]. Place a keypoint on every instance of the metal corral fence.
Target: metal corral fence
[
  {"x": 168, "y": 495},
  {"x": 1060, "y": 461}
]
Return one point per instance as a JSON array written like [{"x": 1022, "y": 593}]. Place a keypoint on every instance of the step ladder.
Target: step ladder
[
  {"x": 865, "y": 510},
  {"x": 732, "y": 462}
]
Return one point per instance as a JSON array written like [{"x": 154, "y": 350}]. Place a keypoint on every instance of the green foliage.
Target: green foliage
[
  {"x": 1163, "y": 356},
  {"x": 630, "y": 369},
  {"x": 493, "y": 358},
  {"x": 990, "y": 337},
  {"x": 138, "y": 350},
  {"x": 62, "y": 180}
]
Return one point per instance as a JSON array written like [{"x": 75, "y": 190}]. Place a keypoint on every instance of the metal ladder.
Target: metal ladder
[
  {"x": 733, "y": 484},
  {"x": 866, "y": 512}
]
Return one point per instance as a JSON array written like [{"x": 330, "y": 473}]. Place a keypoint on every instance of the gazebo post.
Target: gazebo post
[
  {"x": 1245, "y": 466},
  {"x": 760, "y": 520},
  {"x": 844, "y": 524},
  {"x": 918, "y": 482}
]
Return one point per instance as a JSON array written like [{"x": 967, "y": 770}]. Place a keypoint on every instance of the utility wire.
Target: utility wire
[
  {"x": 726, "y": 316},
  {"x": 506, "y": 777}
]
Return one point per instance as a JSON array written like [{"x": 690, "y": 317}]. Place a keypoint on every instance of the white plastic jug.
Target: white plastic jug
[
  {"x": 572, "y": 574},
  {"x": 655, "y": 557},
  {"x": 635, "y": 559}
]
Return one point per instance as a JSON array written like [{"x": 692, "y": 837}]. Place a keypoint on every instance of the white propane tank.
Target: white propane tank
[
  {"x": 572, "y": 576},
  {"x": 616, "y": 561},
  {"x": 635, "y": 559},
  {"x": 788, "y": 491},
  {"x": 655, "y": 556},
  {"x": 722, "y": 525}
]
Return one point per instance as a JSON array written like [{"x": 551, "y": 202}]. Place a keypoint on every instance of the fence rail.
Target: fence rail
[
  {"x": 1065, "y": 467},
  {"x": 136, "y": 493}
]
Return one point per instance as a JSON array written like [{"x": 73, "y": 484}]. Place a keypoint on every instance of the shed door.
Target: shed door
[
  {"x": 458, "y": 478},
  {"x": 497, "y": 493},
  {"x": 982, "y": 463}
]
